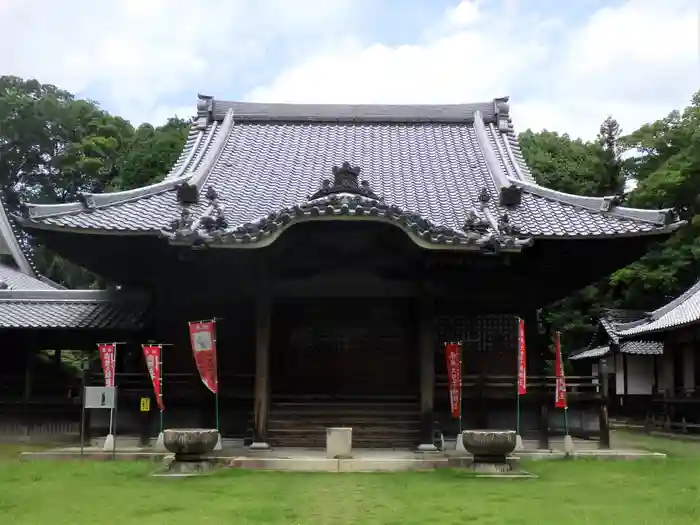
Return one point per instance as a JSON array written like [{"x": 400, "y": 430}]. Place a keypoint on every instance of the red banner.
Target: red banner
[
  {"x": 522, "y": 359},
  {"x": 204, "y": 350},
  {"x": 454, "y": 376},
  {"x": 153, "y": 363},
  {"x": 560, "y": 395},
  {"x": 108, "y": 353}
]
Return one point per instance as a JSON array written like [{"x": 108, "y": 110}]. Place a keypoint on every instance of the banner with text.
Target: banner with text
[
  {"x": 108, "y": 353},
  {"x": 152, "y": 354},
  {"x": 454, "y": 376},
  {"x": 560, "y": 388},
  {"x": 204, "y": 349},
  {"x": 522, "y": 359}
]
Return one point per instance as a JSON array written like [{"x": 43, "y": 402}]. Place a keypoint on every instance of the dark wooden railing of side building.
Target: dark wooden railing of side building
[{"x": 675, "y": 410}]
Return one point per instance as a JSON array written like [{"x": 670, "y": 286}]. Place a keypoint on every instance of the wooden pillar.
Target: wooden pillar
[
  {"x": 262, "y": 370},
  {"x": 426, "y": 351},
  {"x": 30, "y": 350}
]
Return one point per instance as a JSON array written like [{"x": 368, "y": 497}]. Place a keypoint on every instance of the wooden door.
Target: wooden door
[{"x": 345, "y": 348}]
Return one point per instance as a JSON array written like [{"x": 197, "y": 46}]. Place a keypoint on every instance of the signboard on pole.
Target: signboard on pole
[
  {"x": 204, "y": 350},
  {"x": 152, "y": 354},
  {"x": 100, "y": 397}
]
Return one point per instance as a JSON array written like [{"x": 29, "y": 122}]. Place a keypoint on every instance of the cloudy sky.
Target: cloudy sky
[{"x": 565, "y": 64}]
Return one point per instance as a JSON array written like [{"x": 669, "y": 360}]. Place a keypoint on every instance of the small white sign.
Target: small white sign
[{"x": 100, "y": 396}]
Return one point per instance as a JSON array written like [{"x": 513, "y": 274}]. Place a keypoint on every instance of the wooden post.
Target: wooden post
[
  {"x": 426, "y": 350},
  {"x": 603, "y": 421},
  {"x": 28, "y": 383},
  {"x": 262, "y": 370},
  {"x": 536, "y": 356}
]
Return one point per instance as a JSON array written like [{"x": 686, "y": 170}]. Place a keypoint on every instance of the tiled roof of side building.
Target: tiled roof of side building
[
  {"x": 590, "y": 353},
  {"x": 436, "y": 168},
  {"x": 94, "y": 309},
  {"x": 626, "y": 347},
  {"x": 611, "y": 319},
  {"x": 683, "y": 310},
  {"x": 30, "y": 300}
]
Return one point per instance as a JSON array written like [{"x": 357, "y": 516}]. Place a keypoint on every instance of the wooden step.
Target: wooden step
[{"x": 376, "y": 423}]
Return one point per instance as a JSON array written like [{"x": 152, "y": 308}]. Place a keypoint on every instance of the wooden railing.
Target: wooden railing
[{"x": 504, "y": 386}]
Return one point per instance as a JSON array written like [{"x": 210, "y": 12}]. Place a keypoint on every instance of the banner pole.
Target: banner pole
[
  {"x": 160, "y": 379},
  {"x": 83, "y": 373},
  {"x": 114, "y": 384},
  {"x": 461, "y": 387},
  {"x": 517, "y": 382},
  {"x": 216, "y": 382}
]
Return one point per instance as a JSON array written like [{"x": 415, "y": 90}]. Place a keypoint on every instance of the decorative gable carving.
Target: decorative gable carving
[
  {"x": 345, "y": 180},
  {"x": 187, "y": 193}
]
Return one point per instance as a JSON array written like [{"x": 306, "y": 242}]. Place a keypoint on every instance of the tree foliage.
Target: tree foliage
[
  {"x": 54, "y": 146},
  {"x": 662, "y": 161}
]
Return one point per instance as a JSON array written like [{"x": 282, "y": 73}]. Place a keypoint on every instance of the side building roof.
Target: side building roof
[
  {"x": 30, "y": 300},
  {"x": 684, "y": 310},
  {"x": 608, "y": 337},
  {"x": 452, "y": 176}
]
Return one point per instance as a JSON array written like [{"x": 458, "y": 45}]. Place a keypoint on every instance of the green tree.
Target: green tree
[
  {"x": 666, "y": 167},
  {"x": 151, "y": 153},
  {"x": 54, "y": 146}
]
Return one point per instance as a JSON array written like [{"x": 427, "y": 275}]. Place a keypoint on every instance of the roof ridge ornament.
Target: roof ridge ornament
[
  {"x": 501, "y": 110},
  {"x": 187, "y": 193},
  {"x": 609, "y": 202},
  {"x": 205, "y": 111},
  {"x": 345, "y": 180},
  {"x": 213, "y": 218},
  {"x": 501, "y": 232}
]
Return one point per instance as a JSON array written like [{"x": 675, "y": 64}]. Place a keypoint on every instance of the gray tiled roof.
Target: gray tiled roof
[
  {"x": 69, "y": 309},
  {"x": 431, "y": 161},
  {"x": 29, "y": 300},
  {"x": 17, "y": 280},
  {"x": 10, "y": 245},
  {"x": 611, "y": 319},
  {"x": 590, "y": 353},
  {"x": 626, "y": 347},
  {"x": 682, "y": 311},
  {"x": 642, "y": 347}
]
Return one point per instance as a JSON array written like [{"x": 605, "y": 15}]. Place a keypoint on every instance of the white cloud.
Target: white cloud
[
  {"x": 137, "y": 53},
  {"x": 636, "y": 61},
  {"x": 145, "y": 59}
]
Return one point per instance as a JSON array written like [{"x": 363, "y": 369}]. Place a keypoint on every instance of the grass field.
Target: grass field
[{"x": 597, "y": 492}]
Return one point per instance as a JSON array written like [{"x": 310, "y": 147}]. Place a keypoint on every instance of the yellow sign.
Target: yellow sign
[{"x": 145, "y": 404}]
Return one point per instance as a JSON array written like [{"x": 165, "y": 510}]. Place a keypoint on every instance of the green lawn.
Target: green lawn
[{"x": 569, "y": 492}]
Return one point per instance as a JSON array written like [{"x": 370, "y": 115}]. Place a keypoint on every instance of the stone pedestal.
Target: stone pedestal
[
  {"x": 568, "y": 444},
  {"x": 339, "y": 442},
  {"x": 490, "y": 449},
  {"x": 160, "y": 443},
  {"x": 109, "y": 443},
  {"x": 190, "y": 446}
]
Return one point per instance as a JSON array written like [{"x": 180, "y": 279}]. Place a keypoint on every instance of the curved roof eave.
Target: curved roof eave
[
  {"x": 192, "y": 167},
  {"x": 682, "y": 311},
  {"x": 342, "y": 207}
]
